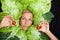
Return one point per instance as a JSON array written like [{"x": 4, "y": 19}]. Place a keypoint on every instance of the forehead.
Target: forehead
[{"x": 30, "y": 15}]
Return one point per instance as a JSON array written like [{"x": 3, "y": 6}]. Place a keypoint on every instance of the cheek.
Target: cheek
[
  {"x": 22, "y": 22},
  {"x": 30, "y": 23}
]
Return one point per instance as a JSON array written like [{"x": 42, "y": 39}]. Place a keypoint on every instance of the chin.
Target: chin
[{"x": 24, "y": 28}]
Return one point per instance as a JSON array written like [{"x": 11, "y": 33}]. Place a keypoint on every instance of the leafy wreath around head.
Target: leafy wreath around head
[{"x": 40, "y": 10}]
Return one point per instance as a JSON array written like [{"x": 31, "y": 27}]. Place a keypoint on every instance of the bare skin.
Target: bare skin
[
  {"x": 45, "y": 28},
  {"x": 26, "y": 21},
  {"x": 6, "y": 21}
]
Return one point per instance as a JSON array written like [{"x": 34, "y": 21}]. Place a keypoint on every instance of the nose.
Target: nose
[{"x": 26, "y": 22}]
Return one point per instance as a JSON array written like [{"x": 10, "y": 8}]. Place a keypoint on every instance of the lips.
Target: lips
[{"x": 25, "y": 26}]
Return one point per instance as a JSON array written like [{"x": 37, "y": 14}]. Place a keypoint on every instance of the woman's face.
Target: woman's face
[{"x": 26, "y": 20}]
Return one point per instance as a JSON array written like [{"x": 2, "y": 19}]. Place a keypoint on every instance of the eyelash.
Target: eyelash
[
  {"x": 25, "y": 19},
  {"x": 30, "y": 19}
]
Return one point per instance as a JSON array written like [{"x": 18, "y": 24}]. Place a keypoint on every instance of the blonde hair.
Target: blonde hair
[{"x": 26, "y": 11}]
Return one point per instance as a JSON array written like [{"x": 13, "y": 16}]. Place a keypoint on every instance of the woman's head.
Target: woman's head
[{"x": 26, "y": 19}]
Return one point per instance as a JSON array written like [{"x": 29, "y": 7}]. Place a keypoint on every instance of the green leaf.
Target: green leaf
[
  {"x": 43, "y": 36},
  {"x": 4, "y": 35},
  {"x": 32, "y": 33},
  {"x": 48, "y": 16},
  {"x": 5, "y": 29},
  {"x": 40, "y": 6},
  {"x": 13, "y": 7},
  {"x": 2, "y": 15}
]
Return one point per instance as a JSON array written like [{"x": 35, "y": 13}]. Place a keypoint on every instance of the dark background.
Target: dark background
[{"x": 55, "y": 23}]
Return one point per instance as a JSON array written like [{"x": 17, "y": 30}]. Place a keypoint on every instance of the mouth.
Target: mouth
[{"x": 25, "y": 26}]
